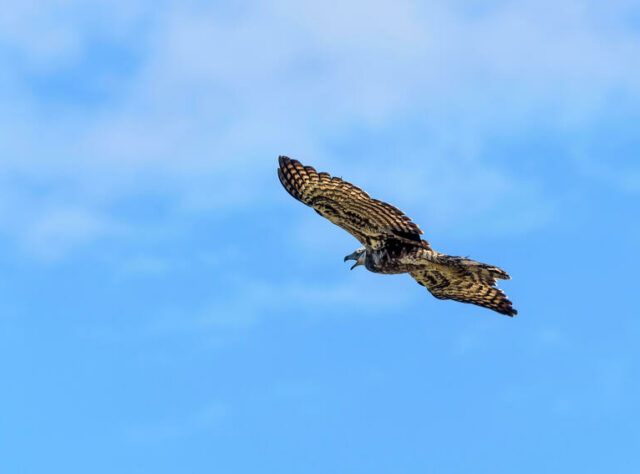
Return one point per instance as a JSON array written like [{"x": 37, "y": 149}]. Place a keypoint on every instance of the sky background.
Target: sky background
[{"x": 166, "y": 307}]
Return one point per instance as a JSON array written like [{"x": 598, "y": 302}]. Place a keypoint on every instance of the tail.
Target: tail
[{"x": 477, "y": 271}]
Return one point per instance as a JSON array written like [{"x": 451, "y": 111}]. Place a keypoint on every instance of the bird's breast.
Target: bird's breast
[
  {"x": 395, "y": 259},
  {"x": 381, "y": 261}
]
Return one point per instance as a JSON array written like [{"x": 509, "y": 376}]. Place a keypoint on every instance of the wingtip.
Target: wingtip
[
  {"x": 500, "y": 274},
  {"x": 286, "y": 162}
]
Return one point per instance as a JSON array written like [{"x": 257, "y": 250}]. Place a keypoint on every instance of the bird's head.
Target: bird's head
[{"x": 359, "y": 256}]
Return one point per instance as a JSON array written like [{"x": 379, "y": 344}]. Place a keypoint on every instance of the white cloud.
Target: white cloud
[
  {"x": 251, "y": 301},
  {"x": 60, "y": 230},
  {"x": 31, "y": 29},
  {"x": 216, "y": 95},
  {"x": 46, "y": 35}
]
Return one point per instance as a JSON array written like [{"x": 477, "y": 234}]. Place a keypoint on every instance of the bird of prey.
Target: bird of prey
[{"x": 392, "y": 242}]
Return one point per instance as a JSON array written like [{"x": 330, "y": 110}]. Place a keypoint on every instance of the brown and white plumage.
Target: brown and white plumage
[
  {"x": 392, "y": 241},
  {"x": 369, "y": 220}
]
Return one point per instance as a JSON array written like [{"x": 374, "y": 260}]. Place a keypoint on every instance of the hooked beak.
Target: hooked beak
[{"x": 354, "y": 256}]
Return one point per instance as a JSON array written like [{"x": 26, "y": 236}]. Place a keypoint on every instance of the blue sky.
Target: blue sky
[{"x": 167, "y": 307}]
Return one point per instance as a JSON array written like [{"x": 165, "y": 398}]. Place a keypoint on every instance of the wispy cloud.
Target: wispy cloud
[
  {"x": 50, "y": 230},
  {"x": 214, "y": 95},
  {"x": 250, "y": 302},
  {"x": 60, "y": 229}
]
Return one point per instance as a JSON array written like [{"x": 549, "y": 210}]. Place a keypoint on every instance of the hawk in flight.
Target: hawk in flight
[{"x": 392, "y": 242}]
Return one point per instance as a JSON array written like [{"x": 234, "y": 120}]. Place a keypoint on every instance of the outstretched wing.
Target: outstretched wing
[
  {"x": 449, "y": 283},
  {"x": 370, "y": 221}
]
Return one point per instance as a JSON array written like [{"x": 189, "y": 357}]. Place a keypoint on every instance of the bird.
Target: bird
[{"x": 391, "y": 240}]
